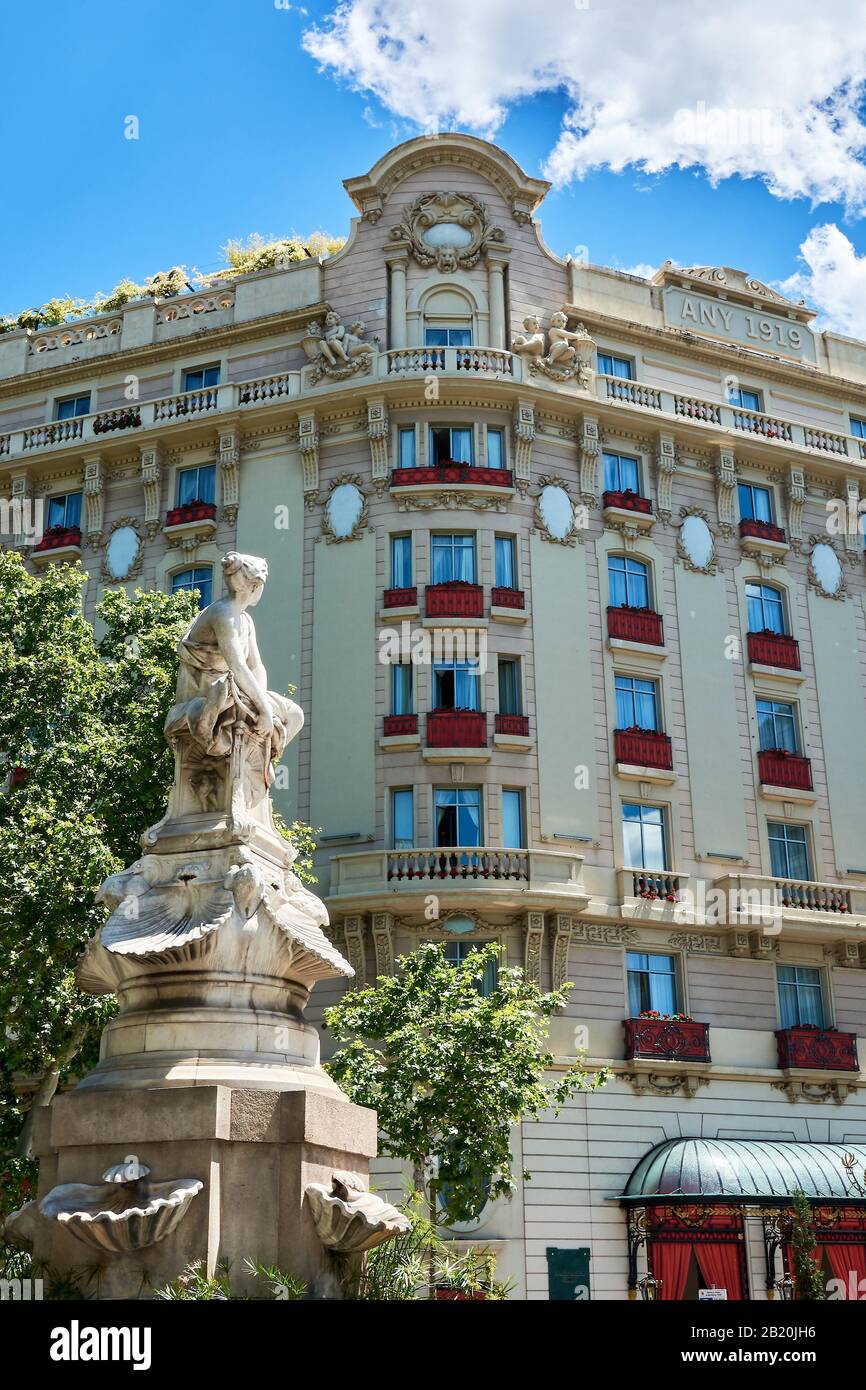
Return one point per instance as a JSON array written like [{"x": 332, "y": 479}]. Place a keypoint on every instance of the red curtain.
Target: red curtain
[
  {"x": 720, "y": 1267},
  {"x": 670, "y": 1264},
  {"x": 842, "y": 1259}
]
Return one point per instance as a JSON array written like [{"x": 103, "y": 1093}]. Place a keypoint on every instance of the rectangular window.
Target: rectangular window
[
  {"x": 450, "y": 444},
  {"x": 401, "y": 688},
  {"x": 858, "y": 427},
  {"x": 73, "y": 406},
  {"x": 745, "y": 398},
  {"x": 197, "y": 378},
  {"x": 406, "y": 448},
  {"x": 401, "y": 562},
  {"x": 609, "y": 365},
  {"x": 452, "y": 558},
  {"x": 801, "y": 996},
  {"x": 458, "y": 816},
  {"x": 495, "y": 448},
  {"x": 457, "y": 685},
  {"x": 652, "y": 983},
  {"x": 766, "y": 608},
  {"x": 756, "y": 503},
  {"x": 402, "y": 818},
  {"x": 457, "y": 951},
  {"x": 629, "y": 582},
  {"x": 621, "y": 473},
  {"x": 789, "y": 850},
  {"x": 643, "y": 835},
  {"x": 64, "y": 511},
  {"x": 506, "y": 568},
  {"x": 637, "y": 703},
  {"x": 509, "y": 685},
  {"x": 447, "y": 337},
  {"x": 200, "y": 578},
  {"x": 777, "y": 725},
  {"x": 196, "y": 485},
  {"x": 512, "y": 818}
]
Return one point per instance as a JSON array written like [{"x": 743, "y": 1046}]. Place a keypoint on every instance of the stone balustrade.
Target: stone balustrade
[{"x": 377, "y": 874}]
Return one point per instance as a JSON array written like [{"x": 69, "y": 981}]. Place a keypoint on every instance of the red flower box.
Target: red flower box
[
  {"x": 456, "y": 599},
  {"x": 774, "y": 649},
  {"x": 394, "y": 724},
  {"x": 507, "y": 598},
  {"x": 629, "y": 501},
  {"x": 643, "y": 748},
  {"x": 116, "y": 420},
  {"x": 191, "y": 511},
  {"x": 400, "y": 598},
  {"x": 513, "y": 724},
  {"x": 824, "y": 1048},
  {"x": 779, "y": 768},
  {"x": 452, "y": 473},
  {"x": 57, "y": 537},
  {"x": 636, "y": 625},
  {"x": 675, "y": 1039},
  {"x": 455, "y": 1296},
  {"x": 456, "y": 728},
  {"x": 763, "y": 530}
]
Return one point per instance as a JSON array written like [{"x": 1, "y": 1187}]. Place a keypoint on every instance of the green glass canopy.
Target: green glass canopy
[{"x": 745, "y": 1170}]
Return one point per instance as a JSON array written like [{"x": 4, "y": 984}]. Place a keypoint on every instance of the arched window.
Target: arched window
[
  {"x": 629, "y": 582},
  {"x": 447, "y": 319},
  {"x": 766, "y": 608},
  {"x": 200, "y": 577}
]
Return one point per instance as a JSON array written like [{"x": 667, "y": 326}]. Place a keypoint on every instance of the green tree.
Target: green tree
[
  {"x": 86, "y": 770},
  {"x": 450, "y": 1070},
  {"x": 808, "y": 1277}
]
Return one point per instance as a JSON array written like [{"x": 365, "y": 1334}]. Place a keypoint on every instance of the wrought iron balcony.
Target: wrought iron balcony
[
  {"x": 627, "y": 501},
  {"x": 670, "y": 1039},
  {"x": 395, "y": 725},
  {"x": 779, "y": 768},
  {"x": 751, "y": 529},
  {"x": 636, "y": 625},
  {"x": 456, "y": 728},
  {"x": 643, "y": 748},
  {"x": 400, "y": 598},
  {"x": 507, "y": 598},
  {"x": 774, "y": 649},
  {"x": 451, "y": 474},
  {"x": 456, "y": 599},
  {"x": 823, "y": 1048},
  {"x": 514, "y": 724}
]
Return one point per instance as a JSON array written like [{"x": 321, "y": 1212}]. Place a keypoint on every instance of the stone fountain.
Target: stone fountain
[{"x": 209, "y": 1130}]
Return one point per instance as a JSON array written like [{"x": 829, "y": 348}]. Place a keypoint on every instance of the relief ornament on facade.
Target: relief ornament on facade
[
  {"x": 559, "y": 354},
  {"x": 335, "y": 351},
  {"x": 447, "y": 230}
]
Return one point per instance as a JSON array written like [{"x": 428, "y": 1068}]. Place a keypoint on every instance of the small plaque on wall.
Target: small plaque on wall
[{"x": 568, "y": 1274}]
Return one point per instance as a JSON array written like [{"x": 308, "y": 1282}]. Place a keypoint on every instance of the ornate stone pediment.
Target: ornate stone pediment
[
  {"x": 729, "y": 281},
  {"x": 447, "y": 230}
]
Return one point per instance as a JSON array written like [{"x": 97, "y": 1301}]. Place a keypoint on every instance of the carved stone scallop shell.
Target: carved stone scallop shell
[
  {"x": 349, "y": 1220},
  {"x": 118, "y": 1215}
]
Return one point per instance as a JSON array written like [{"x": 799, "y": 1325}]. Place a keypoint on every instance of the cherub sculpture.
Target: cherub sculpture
[{"x": 568, "y": 355}]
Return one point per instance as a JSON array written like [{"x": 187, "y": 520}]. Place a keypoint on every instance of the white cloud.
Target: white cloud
[
  {"x": 769, "y": 90},
  {"x": 833, "y": 281}
]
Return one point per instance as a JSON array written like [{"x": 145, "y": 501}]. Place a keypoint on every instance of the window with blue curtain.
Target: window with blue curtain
[
  {"x": 777, "y": 725},
  {"x": 406, "y": 448},
  {"x": 401, "y": 688},
  {"x": 495, "y": 449},
  {"x": 447, "y": 337},
  {"x": 858, "y": 427},
  {"x": 756, "y": 503},
  {"x": 506, "y": 569},
  {"x": 652, "y": 983},
  {"x": 766, "y": 608},
  {"x": 629, "y": 582},
  {"x": 636, "y": 703},
  {"x": 455, "y": 952},
  {"x": 644, "y": 839},
  {"x": 450, "y": 444},
  {"x": 401, "y": 562},
  {"x": 72, "y": 407},
  {"x": 801, "y": 996},
  {"x": 201, "y": 578},
  {"x": 65, "y": 511},
  {"x": 621, "y": 473},
  {"x": 198, "y": 378},
  {"x": 745, "y": 398},
  {"x": 512, "y": 818},
  {"x": 402, "y": 818},
  {"x": 509, "y": 685},
  {"x": 458, "y": 816},
  {"x": 452, "y": 557},
  {"x": 196, "y": 485},
  {"x": 456, "y": 685},
  {"x": 609, "y": 365},
  {"x": 789, "y": 850}
]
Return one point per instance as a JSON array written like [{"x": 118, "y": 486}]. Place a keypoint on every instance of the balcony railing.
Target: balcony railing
[
  {"x": 546, "y": 876},
  {"x": 755, "y": 422},
  {"x": 60, "y": 432},
  {"x": 400, "y": 598},
  {"x": 458, "y": 863},
  {"x": 451, "y": 473},
  {"x": 421, "y": 361},
  {"x": 513, "y": 724},
  {"x": 670, "y": 1039},
  {"x": 654, "y": 886},
  {"x": 823, "y": 1048},
  {"x": 634, "y": 392},
  {"x": 627, "y": 501},
  {"x": 643, "y": 748},
  {"x": 455, "y": 599},
  {"x": 111, "y": 420},
  {"x": 636, "y": 625},
  {"x": 394, "y": 725},
  {"x": 507, "y": 598},
  {"x": 779, "y": 768},
  {"x": 804, "y": 895},
  {"x": 765, "y": 899},
  {"x": 456, "y": 728},
  {"x": 59, "y": 538},
  {"x": 191, "y": 511},
  {"x": 762, "y": 530},
  {"x": 774, "y": 649},
  {"x": 186, "y": 404}
]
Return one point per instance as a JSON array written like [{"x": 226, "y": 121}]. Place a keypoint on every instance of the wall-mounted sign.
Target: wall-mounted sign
[
  {"x": 712, "y": 1295},
  {"x": 738, "y": 323},
  {"x": 568, "y": 1274}
]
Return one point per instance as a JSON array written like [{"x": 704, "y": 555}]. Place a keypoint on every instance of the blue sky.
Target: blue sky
[{"x": 241, "y": 132}]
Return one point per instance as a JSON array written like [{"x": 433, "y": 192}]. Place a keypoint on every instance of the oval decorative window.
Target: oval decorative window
[
  {"x": 826, "y": 567},
  {"x": 447, "y": 234},
  {"x": 345, "y": 508},
  {"x": 556, "y": 511},
  {"x": 697, "y": 541},
  {"x": 121, "y": 552}
]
